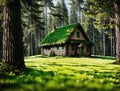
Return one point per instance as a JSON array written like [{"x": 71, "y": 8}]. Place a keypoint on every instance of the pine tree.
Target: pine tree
[
  {"x": 73, "y": 12},
  {"x": 58, "y": 20},
  {"x": 102, "y": 19},
  {"x": 35, "y": 25},
  {"x": 12, "y": 57},
  {"x": 117, "y": 28},
  {"x": 64, "y": 12},
  {"x": 47, "y": 4},
  {"x": 51, "y": 22},
  {"x": 78, "y": 9},
  {"x": 55, "y": 17},
  {"x": 0, "y": 33},
  {"x": 106, "y": 10}
]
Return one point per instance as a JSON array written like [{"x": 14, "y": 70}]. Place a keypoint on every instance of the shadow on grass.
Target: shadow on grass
[
  {"x": 104, "y": 57},
  {"x": 30, "y": 80},
  {"x": 37, "y": 80},
  {"x": 41, "y": 73}
]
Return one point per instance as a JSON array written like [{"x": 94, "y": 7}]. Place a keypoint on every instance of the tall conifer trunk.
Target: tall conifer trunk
[
  {"x": 12, "y": 57},
  {"x": 117, "y": 29}
]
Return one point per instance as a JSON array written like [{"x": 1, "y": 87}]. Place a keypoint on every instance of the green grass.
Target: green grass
[{"x": 64, "y": 74}]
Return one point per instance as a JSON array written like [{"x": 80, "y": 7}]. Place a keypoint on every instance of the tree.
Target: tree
[
  {"x": 64, "y": 12},
  {"x": 12, "y": 57},
  {"x": 34, "y": 25},
  {"x": 78, "y": 8},
  {"x": 73, "y": 12},
  {"x": 0, "y": 33},
  {"x": 47, "y": 4},
  {"x": 57, "y": 17},
  {"x": 110, "y": 7},
  {"x": 117, "y": 29}
]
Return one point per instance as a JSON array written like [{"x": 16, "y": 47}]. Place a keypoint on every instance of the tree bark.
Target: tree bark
[
  {"x": 12, "y": 57},
  {"x": 46, "y": 18},
  {"x": 0, "y": 37},
  {"x": 79, "y": 16},
  {"x": 111, "y": 42},
  {"x": 93, "y": 39},
  {"x": 104, "y": 39},
  {"x": 117, "y": 29}
]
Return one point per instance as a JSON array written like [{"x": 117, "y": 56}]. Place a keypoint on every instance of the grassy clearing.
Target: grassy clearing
[{"x": 64, "y": 74}]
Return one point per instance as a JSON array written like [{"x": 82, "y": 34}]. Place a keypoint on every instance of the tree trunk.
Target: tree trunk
[
  {"x": 104, "y": 43},
  {"x": 13, "y": 57},
  {"x": 46, "y": 18},
  {"x": 93, "y": 39},
  {"x": 111, "y": 42},
  {"x": 114, "y": 45},
  {"x": 0, "y": 39},
  {"x": 37, "y": 40},
  {"x": 117, "y": 28},
  {"x": 79, "y": 16},
  {"x": 31, "y": 44}
]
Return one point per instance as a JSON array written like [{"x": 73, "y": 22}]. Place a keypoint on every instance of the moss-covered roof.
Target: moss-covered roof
[{"x": 60, "y": 35}]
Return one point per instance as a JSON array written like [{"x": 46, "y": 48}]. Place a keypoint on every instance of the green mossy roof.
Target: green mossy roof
[{"x": 60, "y": 35}]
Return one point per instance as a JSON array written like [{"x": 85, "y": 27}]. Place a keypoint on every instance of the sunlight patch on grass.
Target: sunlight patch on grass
[{"x": 64, "y": 74}]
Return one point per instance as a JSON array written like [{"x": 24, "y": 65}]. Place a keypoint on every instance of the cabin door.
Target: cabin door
[{"x": 82, "y": 51}]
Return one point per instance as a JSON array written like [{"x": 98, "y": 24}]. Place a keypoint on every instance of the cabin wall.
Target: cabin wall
[
  {"x": 77, "y": 52},
  {"x": 73, "y": 37},
  {"x": 86, "y": 53},
  {"x": 67, "y": 50},
  {"x": 57, "y": 50},
  {"x": 61, "y": 51},
  {"x": 70, "y": 51},
  {"x": 46, "y": 52}
]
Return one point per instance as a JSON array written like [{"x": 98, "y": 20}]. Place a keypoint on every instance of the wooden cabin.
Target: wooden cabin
[{"x": 69, "y": 40}]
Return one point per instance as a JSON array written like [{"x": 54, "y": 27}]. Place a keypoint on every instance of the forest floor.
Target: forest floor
[{"x": 64, "y": 74}]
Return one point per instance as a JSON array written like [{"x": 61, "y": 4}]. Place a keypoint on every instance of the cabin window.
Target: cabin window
[
  {"x": 62, "y": 47},
  {"x": 57, "y": 48},
  {"x": 47, "y": 48},
  {"x": 72, "y": 48},
  {"x": 78, "y": 34}
]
